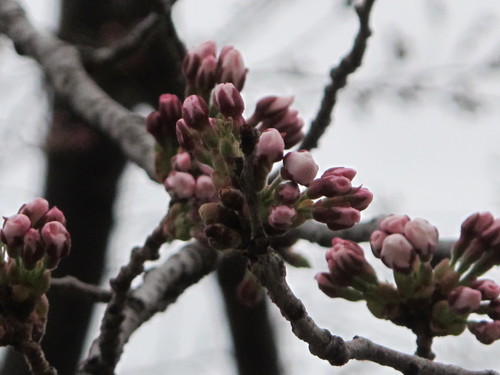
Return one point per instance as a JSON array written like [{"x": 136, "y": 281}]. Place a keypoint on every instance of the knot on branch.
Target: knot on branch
[{"x": 332, "y": 348}]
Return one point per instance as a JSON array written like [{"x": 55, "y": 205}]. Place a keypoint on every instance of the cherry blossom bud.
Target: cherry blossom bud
[
  {"x": 272, "y": 106},
  {"x": 397, "y": 253},
  {"x": 340, "y": 171},
  {"x": 205, "y": 77},
  {"x": 195, "y": 112},
  {"x": 181, "y": 162},
  {"x": 330, "y": 186},
  {"x": 488, "y": 288},
  {"x": 56, "y": 239},
  {"x": 282, "y": 217},
  {"x": 32, "y": 250},
  {"x": 464, "y": 300},
  {"x": 231, "y": 68},
  {"x": 228, "y": 100},
  {"x": 486, "y": 332},
  {"x": 494, "y": 309},
  {"x": 360, "y": 198},
  {"x": 475, "y": 224},
  {"x": 180, "y": 184},
  {"x": 423, "y": 236},
  {"x": 491, "y": 235},
  {"x": 204, "y": 188},
  {"x": 335, "y": 217},
  {"x": 376, "y": 241},
  {"x": 328, "y": 286},
  {"x": 194, "y": 57},
  {"x": 186, "y": 137},
  {"x": 271, "y": 145},
  {"x": 35, "y": 209},
  {"x": 394, "y": 223},
  {"x": 299, "y": 166},
  {"x": 13, "y": 230},
  {"x": 288, "y": 192},
  {"x": 54, "y": 214},
  {"x": 170, "y": 108},
  {"x": 289, "y": 125}
]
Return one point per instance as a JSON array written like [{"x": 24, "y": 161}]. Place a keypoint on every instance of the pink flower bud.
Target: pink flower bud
[
  {"x": 186, "y": 136},
  {"x": 423, "y": 236},
  {"x": 282, "y": 217},
  {"x": 299, "y": 166},
  {"x": 193, "y": 58},
  {"x": 329, "y": 187},
  {"x": 488, "y": 288},
  {"x": 228, "y": 100},
  {"x": 170, "y": 108},
  {"x": 205, "y": 77},
  {"x": 32, "y": 250},
  {"x": 464, "y": 300},
  {"x": 335, "y": 217},
  {"x": 288, "y": 192},
  {"x": 491, "y": 235},
  {"x": 486, "y": 332},
  {"x": 14, "y": 229},
  {"x": 231, "y": 68},
  {"x": 181, "y": 162},
  {"x": 394, "y": 223},
  {"x": 180, "y": 184},
  {"x": 289, "y": 124},
  {"x": 340, "y": 171},
  {"x": 56, "y": 239},
  {"x": 271, "y": 145},
  {"x": 397, "y": 253},
  {"x": 494, "y": 309},
  {"x": 54, "y": 214},
  {"x": 204, "y": 188},
  {"x": 35, "y": 209},
  {"x": 376, "y": 241},
  {"x": 272, "y": 106},
  {"x": 475, "y": 224},
  {"x": 360, "y": 198},
  {"x": 195, "y": 112}
]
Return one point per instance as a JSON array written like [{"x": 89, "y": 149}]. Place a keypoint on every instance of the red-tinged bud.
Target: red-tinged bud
[
  {"x": 476, "y": 223},
  {"x": 288, "y": 192},
  {"x": 57, "y": 240},
  {"x": 170, "y": 109},
  {"x": 195, "y": 112},
  {"x": 231, "y": 68},
  {"x": 340, "y": 171},
  {"x": 54, "y": 214},
  {"x": 289, "y": 125},
  {"x": 204, "y": 188},
  {"x": 329, "y": 187},
  {"x": 347, "y": 217},
  {"x": 186, "y": 137},
  {"x": 489, "y": 289},
  {"x": 464, "y": 300},
  {"x": 32, "y": 250},
  {"x": 494, "y": 309},
  {"x": 491, "y": 235},
  {"x": 249, "y": 292},
  {"x": 299, "y": 166},
  {"x": 270, "y": 146},
  {"x": 231, "y": 198},
  {"x": 292, "y": 139},
  {"x": 397, "y": 253},
  {"x": 486, "y": 332},
  {"x": 327, "y": 286},
  {"x": 205, "y": 77},
  {"x": 13, "y": 231},
  {"x": 181, "y": 162},
  {"x": 360, "y": 198},
  {"x": 423, "y": 236},
  {"x": 282, "y": 217},
  {"x": 394, "y": 223},
  {"x": 180, "y": 184},
  {"x": 272, "y": 107},
  {"x": 376, "y": 241},
  {"x": 35, "y": 210},
  {"x": 154, "y": 126},
  {"x": 194, "y": 57},
  {"x": 228, "y": 101}
]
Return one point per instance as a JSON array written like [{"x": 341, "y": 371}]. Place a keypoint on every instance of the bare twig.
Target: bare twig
[
  {"x": 108, "y": 340},
  {"x": 339, "y": 75},
  {"x": 62, "y": 66},
  {"x": 70, "y": 284}
]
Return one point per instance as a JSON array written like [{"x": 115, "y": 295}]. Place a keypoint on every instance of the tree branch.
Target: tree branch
[
  {"x": 62, "y": 66},
  {"x": 338, "y": 75},
  {"x": 70, "y": 284}
]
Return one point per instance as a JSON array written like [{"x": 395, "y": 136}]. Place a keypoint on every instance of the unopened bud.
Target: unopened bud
[
  {"x": 282, "y": 217},
  {"x": 231, "y": 68},
  {"x": 394, "y": 223},
  {"x": 231, "y": 198},
  {"x": 35, "y": 210},
  {"x": 397, "y": 253},
  {"x": 464, "y": 300},
  {"x": 56, "y": 239},
  {"x": 486, "y": 332},
  {"x": 423, "y": 236},
  {"x": 228, "y": 100},
  {"x": 204, "y": 188},
  {"x": 180, "y": 184},
  {"x": 299, "y": 166},
  {"x": 13, "y": 231},
  {"x": 195, "y": 112},
  {"x": 288, "y": 192},
  {"x": 489, "y": 289},
  {"x": 270, "y": 145}
]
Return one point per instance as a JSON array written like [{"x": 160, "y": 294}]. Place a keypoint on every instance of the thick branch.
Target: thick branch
[
  {"x": 62, "y": 66},
  {"x": 70, "y": 284},
  {"x": 339, "y": 74},
  {"x": 271, "y": 272}
]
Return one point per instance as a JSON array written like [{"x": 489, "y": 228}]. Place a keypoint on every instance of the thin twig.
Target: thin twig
[
  {"x": 70, "y": 284},
  {"x": 338, "y": 75},
  {"x": 62, "y": 66}
]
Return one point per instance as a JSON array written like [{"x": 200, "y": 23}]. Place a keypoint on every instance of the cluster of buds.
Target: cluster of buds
[
  {"x": 204, "y": 176},
  {"x": 33, "y": 242},
  {"x": 431, "y": 300}
]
